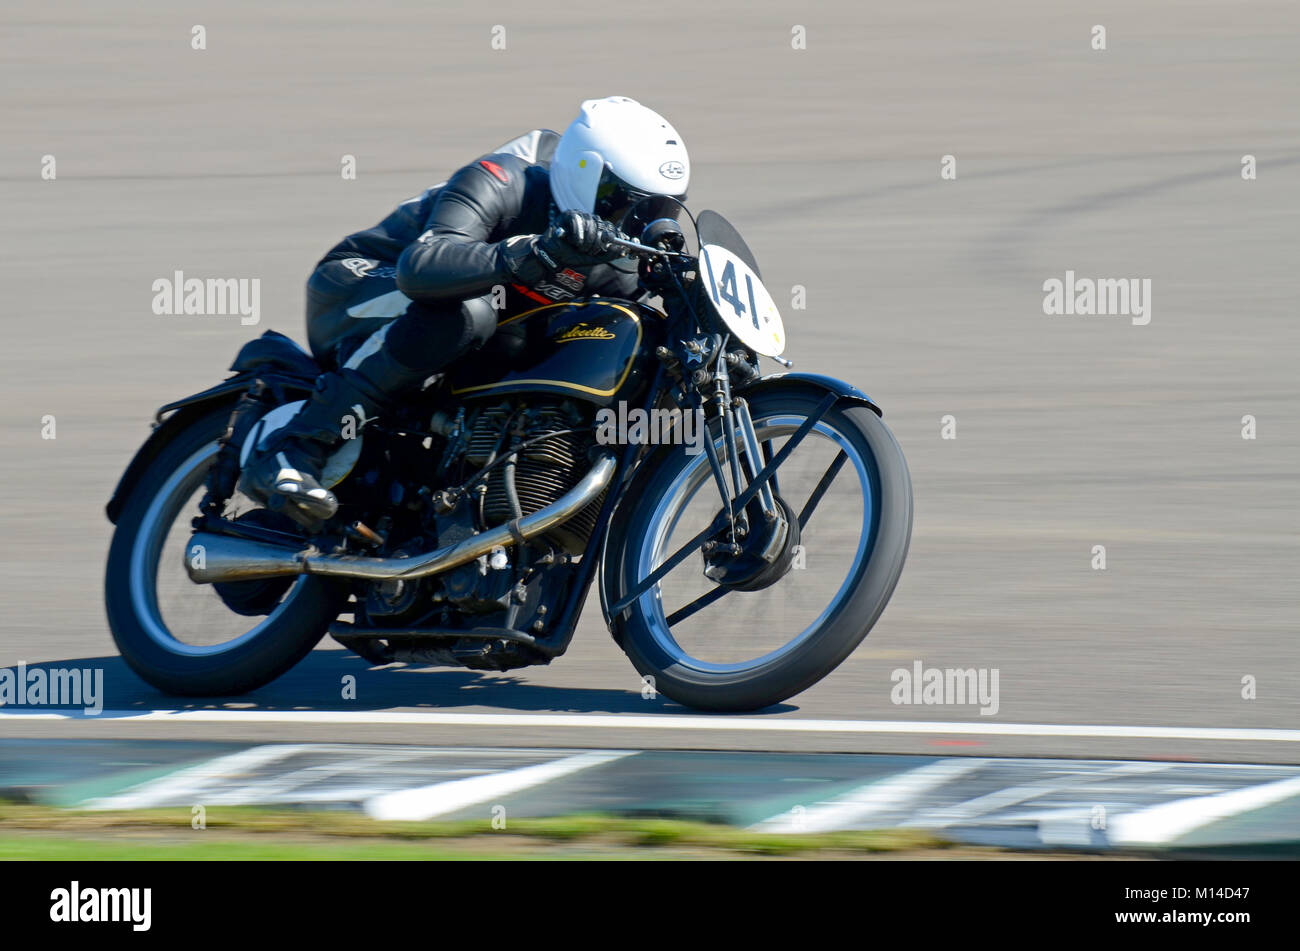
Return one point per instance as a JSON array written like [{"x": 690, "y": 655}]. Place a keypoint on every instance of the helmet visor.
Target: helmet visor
[
  {"x": 615, "y": 196},
  {"x": 651, "y": 208}
]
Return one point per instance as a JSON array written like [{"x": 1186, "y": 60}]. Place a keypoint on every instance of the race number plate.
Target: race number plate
[{"x": 741, "y": 301}]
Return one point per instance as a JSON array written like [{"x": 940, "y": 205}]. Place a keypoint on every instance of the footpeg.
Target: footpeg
[{"x": 359, "y": 531}]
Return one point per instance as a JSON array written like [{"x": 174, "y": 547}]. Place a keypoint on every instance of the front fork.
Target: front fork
[{"x": 710, "y": 354}]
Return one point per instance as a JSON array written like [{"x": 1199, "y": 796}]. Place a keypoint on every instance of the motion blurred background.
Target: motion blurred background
[{"x": 927, "y": 293}]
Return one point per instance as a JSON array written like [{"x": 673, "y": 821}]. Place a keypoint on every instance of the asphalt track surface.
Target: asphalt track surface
[{"x": 1072, "y": 431}]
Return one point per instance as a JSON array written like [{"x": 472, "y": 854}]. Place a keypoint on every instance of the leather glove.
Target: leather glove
[
  {"x": 575, "y": 240},
  {"x": 579, "y": 240}
]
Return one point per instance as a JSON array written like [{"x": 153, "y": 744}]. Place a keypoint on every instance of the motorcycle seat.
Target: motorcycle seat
[{"x": 275, "y": 350}]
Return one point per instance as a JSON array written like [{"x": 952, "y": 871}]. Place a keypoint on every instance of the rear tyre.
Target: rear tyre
[{"x": 156, "y": 517}]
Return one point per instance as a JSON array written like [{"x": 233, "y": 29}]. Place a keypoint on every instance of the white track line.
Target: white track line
[
  {"x": 441, "y": 798},
  {"x": 887, "y": 795},
  {"x": 665, "y": 722},
  {"x": 1157, "y": 825},
  {"x": 965, "y": 811},
  {"x": 279, "y": 787},
  {"x": 194, "y": 779}
]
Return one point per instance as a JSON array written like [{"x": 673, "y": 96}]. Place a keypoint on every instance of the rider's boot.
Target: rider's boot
[{"x": 285, "y": 470}]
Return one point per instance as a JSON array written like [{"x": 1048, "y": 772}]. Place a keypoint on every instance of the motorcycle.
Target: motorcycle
[{"x": 736, "y": 567}]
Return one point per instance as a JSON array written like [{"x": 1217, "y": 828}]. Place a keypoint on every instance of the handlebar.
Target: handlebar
[
  {"x": 645, "y": 248},
  {"x": 636, "y": 246}
]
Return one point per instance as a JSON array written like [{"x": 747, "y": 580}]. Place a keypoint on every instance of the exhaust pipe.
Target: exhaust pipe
[{"x": 210, "y": 557}]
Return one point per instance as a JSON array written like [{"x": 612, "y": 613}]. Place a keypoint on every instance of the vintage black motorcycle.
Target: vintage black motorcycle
[{"x": 736, "y": 569}]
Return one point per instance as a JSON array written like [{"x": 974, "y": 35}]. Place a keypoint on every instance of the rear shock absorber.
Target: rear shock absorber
[{"x": 224, "y": 474}]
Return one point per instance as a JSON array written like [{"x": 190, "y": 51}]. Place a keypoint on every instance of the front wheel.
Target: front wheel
[
  {"x": 722, "y": 648},
  {"x": 202, "y": 640}
]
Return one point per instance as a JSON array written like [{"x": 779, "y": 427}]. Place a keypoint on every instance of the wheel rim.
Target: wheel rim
[
  {"x": 696, "y": 477},
  {"x": 146, "y": 560}
]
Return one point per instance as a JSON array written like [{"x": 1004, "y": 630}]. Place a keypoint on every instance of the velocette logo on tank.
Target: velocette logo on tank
[
  {"x": 584, "y": 332},
  {"x": 672, "y": 170}
]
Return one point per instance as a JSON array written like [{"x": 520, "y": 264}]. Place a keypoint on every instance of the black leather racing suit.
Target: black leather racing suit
[{"x": 402, "y": 300}]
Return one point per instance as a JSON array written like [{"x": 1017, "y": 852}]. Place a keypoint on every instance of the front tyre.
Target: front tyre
[
  {"x": 739, "y": 650},
  {"x": 185, "y": 638}
]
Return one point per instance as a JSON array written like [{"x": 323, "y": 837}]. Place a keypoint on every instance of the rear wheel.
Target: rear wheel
[
  {"x": 724, "y": 648},
  {"x": 202, "y": 640}
]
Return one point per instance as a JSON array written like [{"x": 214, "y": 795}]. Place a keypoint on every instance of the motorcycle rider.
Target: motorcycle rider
[{"x": 533, "y": 218}]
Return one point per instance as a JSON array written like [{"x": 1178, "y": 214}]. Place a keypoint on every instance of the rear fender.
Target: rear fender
[
  {"x": 274, "y": 358},
  {"x": 176, "y": 417}
]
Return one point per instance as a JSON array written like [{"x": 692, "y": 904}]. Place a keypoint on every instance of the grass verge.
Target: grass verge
[{"x": 29, "y": 831}]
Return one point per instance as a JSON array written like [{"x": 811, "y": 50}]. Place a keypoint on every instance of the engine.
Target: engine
[{"x": 555, "y": 439}]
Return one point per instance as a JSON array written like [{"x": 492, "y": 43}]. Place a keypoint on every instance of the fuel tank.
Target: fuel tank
[{"x": 599, "y": 351}]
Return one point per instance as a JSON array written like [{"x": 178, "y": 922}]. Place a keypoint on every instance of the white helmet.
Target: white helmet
[{"x": 614, "y": 153}]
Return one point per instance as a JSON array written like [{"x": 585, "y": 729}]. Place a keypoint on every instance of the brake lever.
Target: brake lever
[
  {"x": 633, "y": 246},
  {"x": 645, "y": 248}
]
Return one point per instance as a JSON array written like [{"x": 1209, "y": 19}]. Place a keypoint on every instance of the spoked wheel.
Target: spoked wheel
[
  {"x": 202, "y": 640},
  {"x": 746, "y": 645}
]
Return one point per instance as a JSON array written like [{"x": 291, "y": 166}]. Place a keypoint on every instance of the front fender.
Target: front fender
[{"x": 827, "y": 384}]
